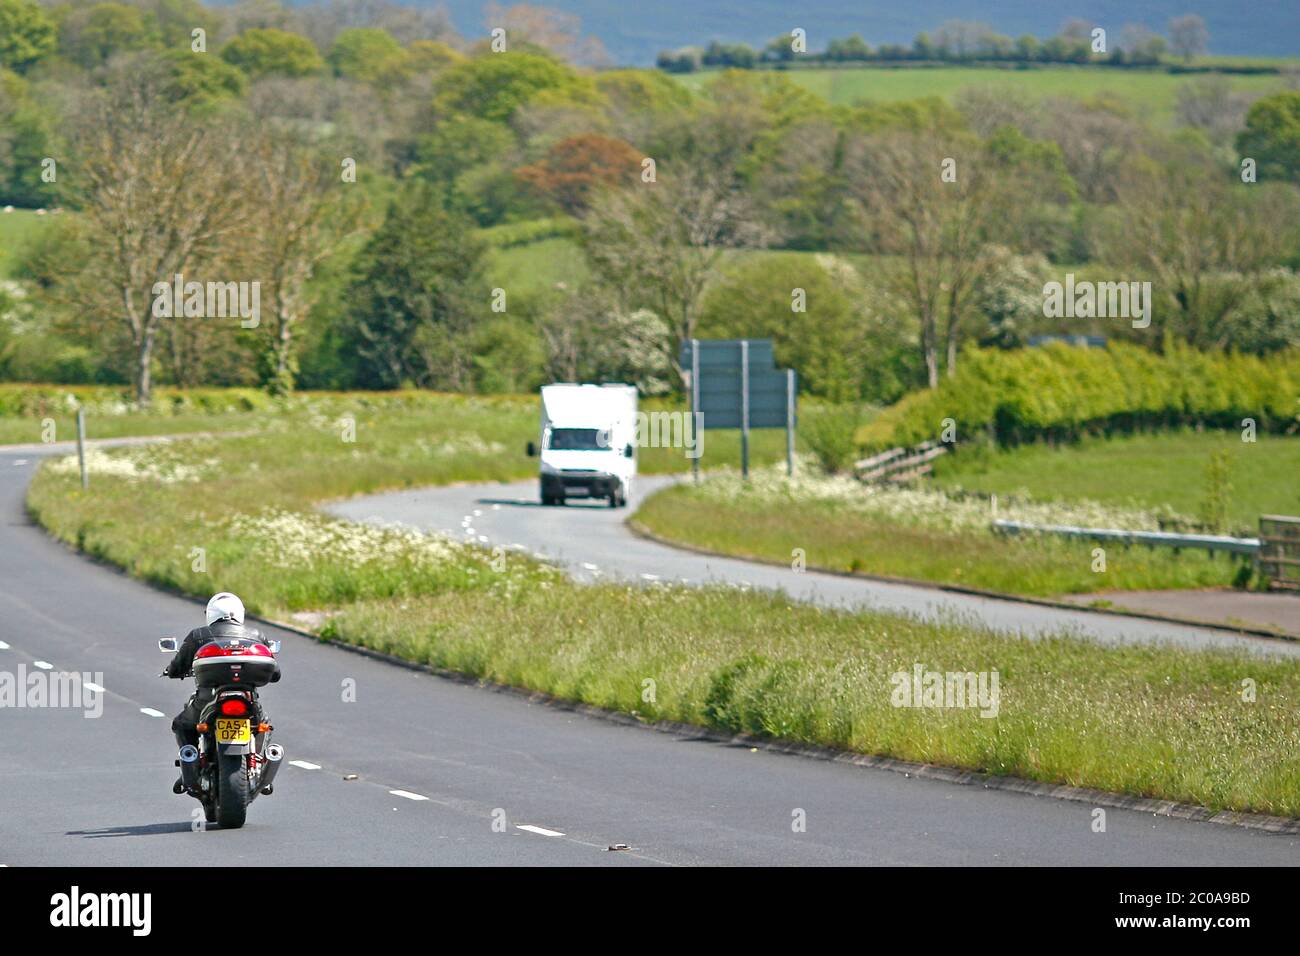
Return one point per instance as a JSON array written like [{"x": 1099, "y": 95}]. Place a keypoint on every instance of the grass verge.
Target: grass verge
[{"x": 839, "y": 525}]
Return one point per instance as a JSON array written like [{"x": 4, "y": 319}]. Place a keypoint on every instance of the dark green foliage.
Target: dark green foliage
[
  {"x": 417, "y": 292},
  {"x": 1060, "y": 392}
]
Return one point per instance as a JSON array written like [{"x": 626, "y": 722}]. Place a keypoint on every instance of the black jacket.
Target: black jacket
[{"x": 183, "y": 662}]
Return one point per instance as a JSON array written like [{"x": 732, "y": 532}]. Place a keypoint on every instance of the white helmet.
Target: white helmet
[{"x": 225, "y": 607}]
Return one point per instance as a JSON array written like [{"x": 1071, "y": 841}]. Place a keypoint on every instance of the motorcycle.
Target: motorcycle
[{"x": 235, "y": 760}]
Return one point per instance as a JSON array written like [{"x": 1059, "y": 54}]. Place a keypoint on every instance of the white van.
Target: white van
[{"x": 588, "y": 442}]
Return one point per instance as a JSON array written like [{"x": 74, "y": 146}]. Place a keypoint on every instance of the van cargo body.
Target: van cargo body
[{"x": 588, "y": 443}]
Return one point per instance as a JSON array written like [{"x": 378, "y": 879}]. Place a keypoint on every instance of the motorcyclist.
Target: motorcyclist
[{"x": 225, "y": 621}]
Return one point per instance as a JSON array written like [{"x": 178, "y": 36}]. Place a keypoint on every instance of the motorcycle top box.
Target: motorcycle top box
[{"x": 225, "y": 662}]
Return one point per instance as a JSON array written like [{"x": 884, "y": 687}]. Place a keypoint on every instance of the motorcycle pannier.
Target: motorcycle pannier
[{"x": 240, "y": 662}]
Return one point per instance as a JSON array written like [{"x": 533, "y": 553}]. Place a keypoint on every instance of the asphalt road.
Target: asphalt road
[
  {"x": 96, "y": 790},
  {"x": 591, "y": 541}
]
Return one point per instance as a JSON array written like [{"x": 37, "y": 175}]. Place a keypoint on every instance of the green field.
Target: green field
[
  {"x": 1151, "y": 92},
  {"x": 1158, "y": 469},
  {"x": 1150, "y": 721}
]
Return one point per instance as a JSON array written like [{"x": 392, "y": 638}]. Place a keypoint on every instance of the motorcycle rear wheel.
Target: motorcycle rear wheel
[{"x": 232, "y": 790}]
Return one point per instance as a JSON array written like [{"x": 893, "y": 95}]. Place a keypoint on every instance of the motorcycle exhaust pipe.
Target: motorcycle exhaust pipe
[
  {"x": 190, "y": 767},
  {"x": 274, "y": 757}
]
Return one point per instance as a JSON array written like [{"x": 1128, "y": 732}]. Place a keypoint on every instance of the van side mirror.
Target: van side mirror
[
  {"x": 629, "y": 451},
  {"x": 531, "y": 450},
  {"x": 167, "y": 645}
]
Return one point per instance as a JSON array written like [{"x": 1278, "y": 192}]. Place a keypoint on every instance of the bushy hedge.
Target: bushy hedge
[
  {"x": 1059, "y": 392},
  {"x": 20, "y": 399},
  {"x": 23, "y": 400},
  {"x": 510, "y": 234}
]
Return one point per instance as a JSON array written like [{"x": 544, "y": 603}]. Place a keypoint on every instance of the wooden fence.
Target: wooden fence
[
  {"x": 900, "y": 464},
  {"x": 1279, "y": 550}
]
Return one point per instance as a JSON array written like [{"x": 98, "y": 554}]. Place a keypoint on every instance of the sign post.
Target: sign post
[
  {"x": 695, "y": 405},
  {"x": 81, "y": 446},
  {"x": 789, "y": 423},
  {"x": 744, "y": 409},
  {"x": 735, "y": 384}
]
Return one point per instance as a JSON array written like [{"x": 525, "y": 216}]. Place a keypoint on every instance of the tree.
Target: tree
[
  {"x": 822, "y": 321},
  {"x": 577, "y": 166},
  {"x": 659, "y": 244},
  {"x": 158, "y": 196},
  {"x": 965, "y": 40},
  {"x": 641, "y": 101},
  {"x": 937, "y": 228},
  {"x": 417, "y": 291},
  {"x": 201, "y": 82},
  {"x": 90, "y": 36},
  {"x": 1272, "y": 135},
  {"x": 1209, "y": 103},
  {"x": 1203, "y": 241},
  {"x": 366, "y": 54},
  {"x": 458, "y": 145},
  {"x": 271, "y": 52},
  {"x": 493, "y": 86},
  {"x": 589, "y": 337},
  {"x": 1141, "y": 44},
  {"x": 177, "y": 20},
  {"x": 1188, "y": 36},
  {"x": 304, "y": 211},
  {"x": 431, "y": 56},
  {"x": 27, "y": 136},
  {"x": 26, "y": 34},
  {"x": 558, "y": 32},
  {"x": 848, "y": 48}
]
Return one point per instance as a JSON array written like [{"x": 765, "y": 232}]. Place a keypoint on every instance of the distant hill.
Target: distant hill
[{"x": 634, "y": 32}]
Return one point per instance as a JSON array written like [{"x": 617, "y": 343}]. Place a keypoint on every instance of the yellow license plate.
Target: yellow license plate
[{"x": 234, "y": 731}]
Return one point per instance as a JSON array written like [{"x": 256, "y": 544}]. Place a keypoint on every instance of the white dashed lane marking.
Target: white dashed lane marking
[
  {"x": 540, "y": 830},
  {"x": 44, "y": 665},
  {"x": 92, "y": 686},
  {"x": 3, "y": 646},
  {"x": 408, "y": 795},
  {"x": 150, "y": 712},
  {"x": 304, "y": 765}
]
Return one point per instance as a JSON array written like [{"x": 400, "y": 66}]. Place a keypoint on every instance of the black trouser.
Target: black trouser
[{"x": 185, "y": 725}]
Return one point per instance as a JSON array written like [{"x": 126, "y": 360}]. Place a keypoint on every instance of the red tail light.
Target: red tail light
[
  {"x": 234, "y": 708},
  {"x": 214, "y": 649}
]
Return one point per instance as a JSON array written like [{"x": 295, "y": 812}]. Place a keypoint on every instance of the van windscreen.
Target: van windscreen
[{"x": 578, "y": 439}]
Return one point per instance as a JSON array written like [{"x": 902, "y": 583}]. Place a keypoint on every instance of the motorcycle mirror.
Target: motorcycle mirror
[
  {"x": 167, "y": 645},
  {"x": 274, "y": 646}
]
